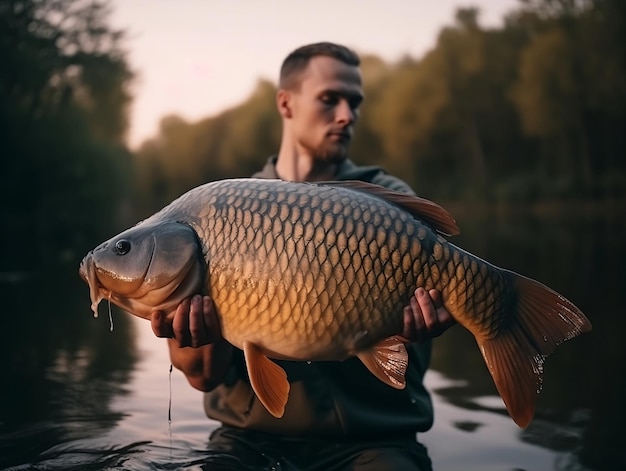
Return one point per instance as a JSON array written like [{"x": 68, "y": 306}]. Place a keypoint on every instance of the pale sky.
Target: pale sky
[{"x": 194, "y": 58}]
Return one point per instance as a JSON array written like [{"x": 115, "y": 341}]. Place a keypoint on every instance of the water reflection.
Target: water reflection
[
  {"x": 61, "y": 373},
  {"x": 580, "y": 409},
  {"x": 76, "y": 396}
]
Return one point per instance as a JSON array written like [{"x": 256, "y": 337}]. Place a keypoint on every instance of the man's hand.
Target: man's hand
[
  {"x": 425, "y": 317},
  {"x": 194, "y": 323}
]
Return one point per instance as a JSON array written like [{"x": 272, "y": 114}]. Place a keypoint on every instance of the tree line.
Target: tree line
[
  {"x": 64, "y": 97},
  {"x": 530, "y": 111}
]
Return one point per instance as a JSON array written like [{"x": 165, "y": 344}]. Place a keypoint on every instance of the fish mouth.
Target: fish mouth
[{"x": 97, "y": 292}]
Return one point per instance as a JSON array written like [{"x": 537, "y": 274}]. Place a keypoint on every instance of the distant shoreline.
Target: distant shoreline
[{"x": 614, "y": 208}]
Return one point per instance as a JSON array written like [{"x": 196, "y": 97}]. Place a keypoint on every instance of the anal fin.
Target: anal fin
[
  {"x": 268, "y": 380},
  {"x": 387, "y": 360}
]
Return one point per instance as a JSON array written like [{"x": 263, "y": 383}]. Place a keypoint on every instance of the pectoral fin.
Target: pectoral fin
[
  {"x": 388, "y": 361},
  {"x": 268, "y": 380}
]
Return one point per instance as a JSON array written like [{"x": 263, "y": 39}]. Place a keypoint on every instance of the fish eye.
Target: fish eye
[{"x": 122, "y": 247}]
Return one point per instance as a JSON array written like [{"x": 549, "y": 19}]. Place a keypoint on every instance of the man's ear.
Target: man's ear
[{"x": 283, "y": 103}]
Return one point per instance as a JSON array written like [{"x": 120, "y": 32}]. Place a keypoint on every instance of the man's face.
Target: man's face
[{"x": 325, "y": 108}]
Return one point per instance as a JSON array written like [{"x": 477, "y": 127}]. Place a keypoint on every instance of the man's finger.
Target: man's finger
[
  {"x": 435, "y": 296},
  {"x": 429, "y": 310},
  {"x": 180, "y": 324},
  {"x": 159, "y": 326},
  {"x": 417, "y": 306},
  {"x": 444, "y": 318},
  {"x": 197, "y": 329},
  {"x": 408, "y": 330},
  {"x": 210, "y": 319},
  {"x": 155, "y": 322}
]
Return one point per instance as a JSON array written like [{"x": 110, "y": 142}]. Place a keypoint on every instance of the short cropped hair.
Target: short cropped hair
[{"x": 299, "y": 59}]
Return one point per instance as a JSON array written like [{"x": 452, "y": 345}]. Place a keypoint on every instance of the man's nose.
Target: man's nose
[{"x": 344, "y": 113}]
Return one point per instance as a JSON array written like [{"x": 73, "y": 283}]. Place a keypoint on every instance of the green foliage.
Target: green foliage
[
  {"x": 235, "y": 143},
  {"x": 530, "y": 111},
  {"x": 63, "y": 109}
]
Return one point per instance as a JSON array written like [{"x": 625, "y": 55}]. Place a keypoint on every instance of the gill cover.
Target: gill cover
[{"x": 149, "y": 266}]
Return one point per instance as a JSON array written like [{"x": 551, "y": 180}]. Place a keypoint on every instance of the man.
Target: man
[{"x": 339, "y": 416}]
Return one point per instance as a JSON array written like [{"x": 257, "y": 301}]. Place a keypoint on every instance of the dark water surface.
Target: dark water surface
[{"x": 76, "y": 396}]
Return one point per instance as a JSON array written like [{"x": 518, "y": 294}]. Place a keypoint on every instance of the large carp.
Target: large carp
[{"x": 305, "y": 271}]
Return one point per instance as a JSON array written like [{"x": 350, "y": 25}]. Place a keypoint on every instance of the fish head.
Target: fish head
[{"x": 145, "y": 268}]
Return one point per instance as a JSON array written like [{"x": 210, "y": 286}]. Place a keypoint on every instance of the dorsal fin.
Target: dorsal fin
[{"x": 423, "y": 209}]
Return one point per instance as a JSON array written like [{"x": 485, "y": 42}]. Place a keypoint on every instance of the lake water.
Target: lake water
[{"x": 76, "y": 396}]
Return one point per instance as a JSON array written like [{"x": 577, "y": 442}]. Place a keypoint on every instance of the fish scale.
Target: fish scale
[
  {"x": 375, "y": 233},
  {"x": 323, "y": 272},
  {"x": 284, "y": 257}
]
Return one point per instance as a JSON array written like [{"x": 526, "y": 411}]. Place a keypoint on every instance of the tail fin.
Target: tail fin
[{"x": 515, "y": 357}]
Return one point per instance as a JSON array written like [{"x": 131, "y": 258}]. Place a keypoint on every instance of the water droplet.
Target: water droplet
[
  {"x": 169, "y": 408},
  {"x": 110, "y": 316},
  {"x": 308, "y": 362},
  {"x": 413, "y": 400}
]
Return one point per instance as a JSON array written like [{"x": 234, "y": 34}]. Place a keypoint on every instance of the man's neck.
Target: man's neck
[{"x": 295, "y": 167}]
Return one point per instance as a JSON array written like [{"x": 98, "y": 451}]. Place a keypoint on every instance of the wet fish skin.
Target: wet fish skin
[
  {"x": 316, "y": 263},
  {"x": 322, "y": 272},
  {"x": 147, "y": 267}
]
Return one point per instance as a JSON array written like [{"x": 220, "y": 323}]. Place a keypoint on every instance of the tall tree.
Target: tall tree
[
  {"x": 571, "y": 88},
  {"x": 63, "y": 106}
]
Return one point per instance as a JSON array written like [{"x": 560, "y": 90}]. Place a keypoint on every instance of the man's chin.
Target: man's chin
[{"x": 333, "y": 156}]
